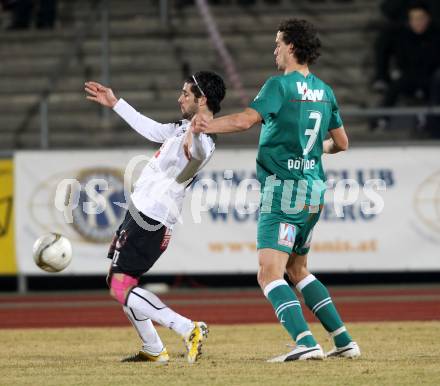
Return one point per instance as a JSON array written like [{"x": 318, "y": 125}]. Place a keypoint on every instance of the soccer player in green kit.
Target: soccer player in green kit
[{"x": 298, "y": 111}]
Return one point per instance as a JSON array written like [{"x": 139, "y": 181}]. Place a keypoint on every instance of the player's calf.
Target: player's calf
[
  {"x": 120, "y": 286},
  {"x": 297, "y": 268}
]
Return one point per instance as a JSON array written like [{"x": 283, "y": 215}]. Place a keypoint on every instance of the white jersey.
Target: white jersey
[{"x": 156, "y": 193}]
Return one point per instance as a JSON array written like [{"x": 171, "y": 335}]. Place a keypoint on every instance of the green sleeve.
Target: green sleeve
[
  {"x": 335, "y": 119},
  {"x": 269, "y": 100}
]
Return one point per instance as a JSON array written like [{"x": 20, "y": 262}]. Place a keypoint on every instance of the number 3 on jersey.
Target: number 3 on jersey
[{"x": 313, "y": 133}]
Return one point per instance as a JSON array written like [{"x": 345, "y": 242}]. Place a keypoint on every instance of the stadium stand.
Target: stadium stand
[{"x": 148, "y": 61}]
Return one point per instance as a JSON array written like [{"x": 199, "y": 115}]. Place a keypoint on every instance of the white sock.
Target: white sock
[
  {"x": 151, "y": 341},
  {"x": 152, "y": 307},
  {"x": 305, "y": 282}
]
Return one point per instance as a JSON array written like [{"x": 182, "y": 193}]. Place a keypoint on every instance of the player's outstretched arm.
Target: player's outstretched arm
[
  {"x": 227, "y": 124},
  {"x": 100, "y": 94},
  {"x": 148, "y": 128},
  {"x": 338, "y": 141}
]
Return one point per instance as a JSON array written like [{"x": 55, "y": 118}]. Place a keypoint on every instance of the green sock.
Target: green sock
[
  {"x": 289, "y": 313},
  {"x": 318, "y": 299}
]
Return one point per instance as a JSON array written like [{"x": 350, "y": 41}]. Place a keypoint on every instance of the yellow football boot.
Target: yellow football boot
[
  {"x": 143, "y": 356},
  {"x": 193, "y": 341}
]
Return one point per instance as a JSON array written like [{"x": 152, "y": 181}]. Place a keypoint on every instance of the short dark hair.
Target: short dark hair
[
  {"x": 419, "y": 4},
  {"x": 304, "y": 37},
  {"x": 212, "y": 86}
]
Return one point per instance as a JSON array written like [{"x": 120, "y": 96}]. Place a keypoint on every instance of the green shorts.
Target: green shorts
[{"x": 286, "y": 233}]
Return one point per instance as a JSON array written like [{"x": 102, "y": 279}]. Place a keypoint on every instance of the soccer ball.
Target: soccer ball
[{"x": 52, "y": 252}]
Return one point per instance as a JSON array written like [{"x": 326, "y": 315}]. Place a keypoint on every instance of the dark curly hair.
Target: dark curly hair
[
  {"x": 304, "y": 37},
  {"x": 213, "y": 88}
]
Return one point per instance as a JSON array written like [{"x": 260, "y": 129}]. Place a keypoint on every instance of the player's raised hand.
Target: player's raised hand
[
  {"x": 194, "y": 127},
  {"x": 100, "y": 94},
  {"x": 199, "y": 123}
]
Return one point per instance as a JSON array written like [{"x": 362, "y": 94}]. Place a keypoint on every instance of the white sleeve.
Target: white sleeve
[
  {"x": 197, "y": 149},
  {"x": 148, "y": 128},
  {"x": 202, "y": 146},
  {"x": 208, "y": 148},
  {"x": 208, "y": 145},
  {"x": 201, "y": 151}
]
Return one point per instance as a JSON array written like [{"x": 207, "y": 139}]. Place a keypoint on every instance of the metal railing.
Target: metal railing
[
  {"x": 223, "y": 52},
  {"x": 392, "y": 111}
]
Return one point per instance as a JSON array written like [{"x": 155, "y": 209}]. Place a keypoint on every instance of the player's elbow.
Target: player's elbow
[
  {"x": 244, "y": 126},
  {"x": 242, "y": 123},
  {"x": 342, "y": 145},
  {"x": 247, "y": 119},
  {"x": 340, "y": 139}
]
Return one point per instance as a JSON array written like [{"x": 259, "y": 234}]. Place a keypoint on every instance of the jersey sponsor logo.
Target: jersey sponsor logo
[
  {"x": 182, "y": 131},
  {"x": 166, "y": 239},
  {"x": 286, "y": 235},
  {"x": 301, "y": 164},
  {"x": 115, "y": 258},
  {"x": 309, "y": 94},
  {"x": 309, "y": 240},
  {"x": 122, "y": 239}
]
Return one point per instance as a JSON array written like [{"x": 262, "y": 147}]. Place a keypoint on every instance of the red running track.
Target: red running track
[{"x": 216, "y": 307}]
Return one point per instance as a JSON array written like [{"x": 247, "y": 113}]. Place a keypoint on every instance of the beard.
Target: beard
[{"x": 189, "y": 114}]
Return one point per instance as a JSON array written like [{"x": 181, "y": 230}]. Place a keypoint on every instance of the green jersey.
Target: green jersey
[{"x": 297, "y": 114}]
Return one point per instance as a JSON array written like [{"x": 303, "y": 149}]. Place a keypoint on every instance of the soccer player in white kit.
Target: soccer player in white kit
[{"x": 155, "y": 206}]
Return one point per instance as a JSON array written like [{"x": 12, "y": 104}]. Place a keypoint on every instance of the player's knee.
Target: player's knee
[
  {"x": 268, "y": 273},
  {"x": 260, "y": 279},
  {"x": 291, "y": 276},
  {"x": 120, "y": 286},
  {"x": 297, "y": 273},
  {"x": 108, "y": 280}
]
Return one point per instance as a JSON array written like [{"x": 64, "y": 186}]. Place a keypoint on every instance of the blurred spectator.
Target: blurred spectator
[
  {"x": 24, "y": 9},
  {"x": 396, "y": 10},
  {"x": 397, "y": 13},
  {"x": 414, "y": 50},
  {"x": 7, "y": 5}
]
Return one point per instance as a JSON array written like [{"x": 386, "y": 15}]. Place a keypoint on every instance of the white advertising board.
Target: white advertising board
[{"x": 404, "y": 236}]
